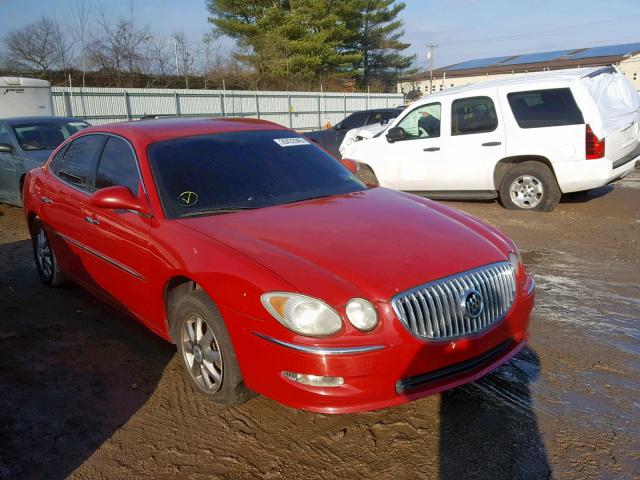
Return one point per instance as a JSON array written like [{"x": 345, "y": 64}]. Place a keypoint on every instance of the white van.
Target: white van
[
  {"x": 525, "y": 139},
  {"x": 25, "y": 97}
]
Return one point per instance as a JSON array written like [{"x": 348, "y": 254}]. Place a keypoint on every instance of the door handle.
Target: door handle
[
  {"x": 92, "y": 221},
  {"x": 491, "y": 144},
  {"x": 431, "y": 149},
  {"x": 46, "y": 200}
]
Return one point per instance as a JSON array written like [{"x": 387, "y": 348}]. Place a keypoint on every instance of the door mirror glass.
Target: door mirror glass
[
  {"x": 396, "y": 133},
  {"x": 118, "y": 198},
  {"x": 6, "y": 148}
]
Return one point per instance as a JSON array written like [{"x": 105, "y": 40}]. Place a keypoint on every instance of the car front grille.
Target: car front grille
[{"x": 459, "y": 305}]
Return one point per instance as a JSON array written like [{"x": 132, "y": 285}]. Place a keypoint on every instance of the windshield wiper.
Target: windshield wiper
[{"x": 216, "y": 211}]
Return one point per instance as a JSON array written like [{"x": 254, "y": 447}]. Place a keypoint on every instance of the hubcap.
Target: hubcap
[
  {"x": 201, "y": 354},
  {"x": 526, "y": 191},
  {"x": 44, "y": 255}
]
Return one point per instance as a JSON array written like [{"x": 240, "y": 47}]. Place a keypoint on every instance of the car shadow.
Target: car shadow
[
  {"x": 60, "y": 399},
  {"x": 488, "y": 428},
  {"x": 586, "y": 195}
]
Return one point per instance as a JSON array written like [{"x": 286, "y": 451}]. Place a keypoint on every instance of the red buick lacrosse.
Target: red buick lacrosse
[{"x": 273, "y": 268}]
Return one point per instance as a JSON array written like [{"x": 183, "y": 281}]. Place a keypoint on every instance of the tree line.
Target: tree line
[{"x": 280, "y": 44}]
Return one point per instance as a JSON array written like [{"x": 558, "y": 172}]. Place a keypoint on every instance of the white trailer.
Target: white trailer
[{"x": 24, "y": 97}]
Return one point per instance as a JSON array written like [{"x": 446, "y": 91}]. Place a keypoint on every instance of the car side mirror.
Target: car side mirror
[
  {"x": 118, "y": 198},
  {"x": 396, "y": 133},
  {"x": 6, "y": 148}
]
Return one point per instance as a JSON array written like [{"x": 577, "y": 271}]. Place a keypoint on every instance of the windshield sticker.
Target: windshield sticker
[
  {"x": 188, "y": 199},
  {"x": 291, "y": 142}
]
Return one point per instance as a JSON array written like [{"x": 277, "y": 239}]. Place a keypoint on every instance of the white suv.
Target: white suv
[{"x": 526, "y": 139}]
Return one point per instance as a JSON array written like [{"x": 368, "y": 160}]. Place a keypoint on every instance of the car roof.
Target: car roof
[
  {"x": 154, "y": 130},
  {"x": 524, "y": 79},
  {"x": 42, "y": 119}
]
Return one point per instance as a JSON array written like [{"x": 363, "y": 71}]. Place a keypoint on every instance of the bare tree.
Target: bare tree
[
  {"x": 80, "y": 17},
  {"x": 36, "y": 48},
  {"x": 118, "y": 47},
  {"x": 185, "y": 51}
]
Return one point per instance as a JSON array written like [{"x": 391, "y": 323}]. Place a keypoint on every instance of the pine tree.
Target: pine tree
[{"x": 377, "y": 35}]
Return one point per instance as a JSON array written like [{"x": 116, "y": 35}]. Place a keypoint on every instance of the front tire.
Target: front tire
[
  {"x": 206, "y": 351},
  {"x": 529, "y": 186},
  {"x": 44, "y": 256}
]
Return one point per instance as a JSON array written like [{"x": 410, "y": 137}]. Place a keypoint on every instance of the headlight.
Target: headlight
[
  {"x": 362, "y": 314},
  {"x": 301, "y": 314},
  {"x": 516, "y": 260}
]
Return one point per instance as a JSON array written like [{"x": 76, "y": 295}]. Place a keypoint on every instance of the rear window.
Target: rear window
[{"x": 545, "y": 108}]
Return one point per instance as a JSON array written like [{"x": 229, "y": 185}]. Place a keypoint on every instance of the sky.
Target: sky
[{"x": 462, "y": 29}]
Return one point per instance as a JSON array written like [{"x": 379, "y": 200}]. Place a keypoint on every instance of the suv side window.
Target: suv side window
[
  {"x": 545, "y": 108},
  {"x": 354, "y": 120},
  {"x": 473, "y": 115},
  {"x": 117, "y": 166},
  {"x": 422, "y": 122},
  {"x": 79, "y": 160}
]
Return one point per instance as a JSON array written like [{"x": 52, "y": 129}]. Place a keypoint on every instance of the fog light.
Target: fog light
[{"x": 314, "y": 380}]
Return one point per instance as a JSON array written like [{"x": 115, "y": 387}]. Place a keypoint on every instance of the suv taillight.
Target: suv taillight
[{"x": 594, "y": 147}]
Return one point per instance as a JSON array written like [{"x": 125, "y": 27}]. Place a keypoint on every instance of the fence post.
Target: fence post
[
  {"x": 68, "y": 108},
  {"x": 290, "y": 116},
  {"x": 222, "y": 105},
  {"x": 345, "y": 104},
  {"x": 177, "y": 99},
  {"x": 319, "y": 112},
  {"x": 127, "y": 105},
  {"x": 257, "y": 105}
]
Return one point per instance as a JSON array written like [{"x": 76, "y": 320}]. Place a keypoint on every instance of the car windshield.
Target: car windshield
[
  {"x": 39, "y": 135},
  {"x": 225, "y": 172}
]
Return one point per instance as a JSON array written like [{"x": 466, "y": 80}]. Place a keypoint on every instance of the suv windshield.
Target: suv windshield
[
  {"x": 39, "y": 135},
  {"x": 224, "y": 172}
]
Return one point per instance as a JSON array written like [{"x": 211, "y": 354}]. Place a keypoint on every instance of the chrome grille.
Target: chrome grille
[{"x": 437, "y": 309}]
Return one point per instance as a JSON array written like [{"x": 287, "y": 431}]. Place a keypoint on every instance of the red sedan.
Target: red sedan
[{"x": 272, "y": 268}]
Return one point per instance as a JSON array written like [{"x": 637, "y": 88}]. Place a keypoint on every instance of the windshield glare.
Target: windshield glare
[
  {"x": 45, "y": 135},
  {"x": 243, "y": 170}
]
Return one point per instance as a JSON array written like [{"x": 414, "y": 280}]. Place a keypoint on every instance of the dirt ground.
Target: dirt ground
[{"x": 87, "y": 393}]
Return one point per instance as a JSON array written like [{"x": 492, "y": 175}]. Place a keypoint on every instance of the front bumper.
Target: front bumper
[{"x": 381, "y": 377}]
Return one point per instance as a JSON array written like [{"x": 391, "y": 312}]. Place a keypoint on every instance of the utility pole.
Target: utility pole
[
  {"x": 175, "y": 49},
  {"x": 430, "y": 47}
]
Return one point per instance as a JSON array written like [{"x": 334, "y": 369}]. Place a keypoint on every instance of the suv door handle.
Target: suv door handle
[
  {"x": 431, "y": 149},
  {"x": 92, "y": 221},
  {"x": 46, "y": 200},
  {"x": 491, "y": 144}
]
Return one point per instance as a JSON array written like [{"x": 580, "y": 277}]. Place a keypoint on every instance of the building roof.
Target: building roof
[{"x": 559, "y": 59}]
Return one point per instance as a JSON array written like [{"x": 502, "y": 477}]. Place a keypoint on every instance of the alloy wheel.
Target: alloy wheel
[
  {"x": 526, "y": 191},
  {"x": 201, "y": 353},
  {"x": 44, "y": 254}
]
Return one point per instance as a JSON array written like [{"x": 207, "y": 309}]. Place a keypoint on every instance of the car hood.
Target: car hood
[{"x": 375, "y": 243}]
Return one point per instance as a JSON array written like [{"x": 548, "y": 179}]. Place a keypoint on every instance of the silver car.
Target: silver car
[{"x": 26, "y": 143}]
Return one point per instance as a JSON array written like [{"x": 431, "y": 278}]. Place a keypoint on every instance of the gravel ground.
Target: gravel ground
[{"x": 87, "y": 393}]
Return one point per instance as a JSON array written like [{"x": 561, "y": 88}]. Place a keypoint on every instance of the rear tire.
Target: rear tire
[
  {"x": 44, "y": 256},
  {"x": 529, "y": 186},
  {"x": 206, "y": 351}
]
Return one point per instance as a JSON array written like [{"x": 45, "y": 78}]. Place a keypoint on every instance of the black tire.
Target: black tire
[
  {"x": 44, "y": 256},
  {"x": 231, "y": 389},
  {"x": 529, "y": 186}
]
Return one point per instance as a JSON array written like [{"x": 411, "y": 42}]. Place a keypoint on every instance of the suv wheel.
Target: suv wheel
[
  {"x": 46, "y": 262},
  {"x": 205, "y": 347},
  {"x": 529, "y": 186}
]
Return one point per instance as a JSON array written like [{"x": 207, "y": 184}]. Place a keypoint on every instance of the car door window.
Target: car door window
[
  {"x": 78, "y": 161},
  {"x": 118, "y": 166},
  {"x": 354, "y": 120},
  {"x": 473, "y": 115},
  {"x": 422, "y": 121},
  {"x": 5, "y": 136}
]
